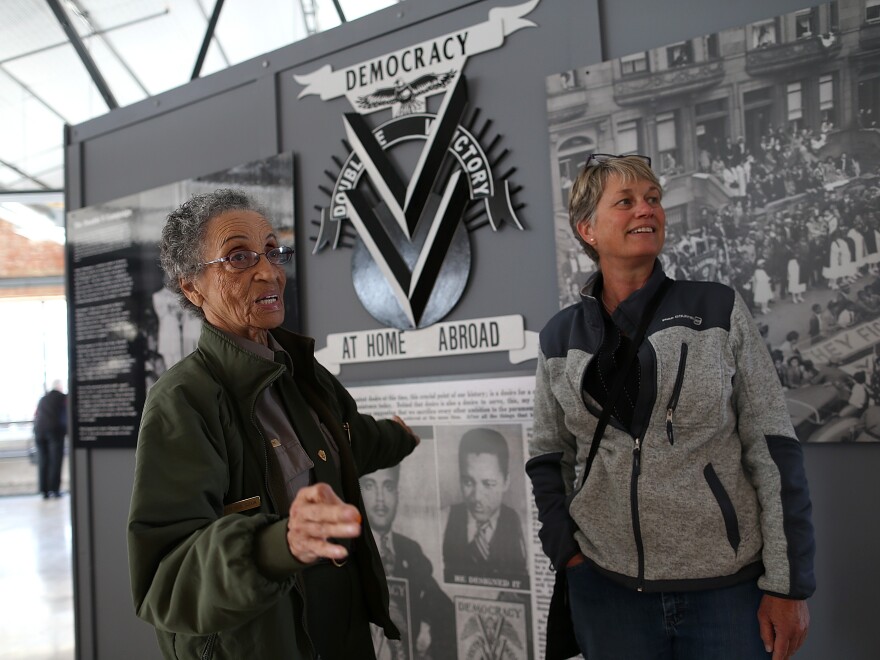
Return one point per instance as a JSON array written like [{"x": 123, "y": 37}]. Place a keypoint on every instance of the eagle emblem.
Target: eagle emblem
[{"x": 404, "y": 97}]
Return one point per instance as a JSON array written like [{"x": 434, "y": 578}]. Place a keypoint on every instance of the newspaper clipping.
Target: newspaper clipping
[{"x": 455, "y": 522}]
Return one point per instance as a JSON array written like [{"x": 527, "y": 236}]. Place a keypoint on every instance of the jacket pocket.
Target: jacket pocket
[
  {"x": 294, "y": 464},
  {"x": 728, "y": 513},
  {"x": 676, "y": 392},
  {"x": 695, "y": 377}
]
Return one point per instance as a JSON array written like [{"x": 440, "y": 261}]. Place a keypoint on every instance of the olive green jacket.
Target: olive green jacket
[{"x": 219, "y": 585}]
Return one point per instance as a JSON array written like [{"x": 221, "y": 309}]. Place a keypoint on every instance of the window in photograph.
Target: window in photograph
[
  {"x": 764, "y": 34},
  {"x": 758, "y": 113},
  {"x": 569, "y": 167},
  {"x": 667, "y": 143},
  {"x": 711, "y": 129},
  {"x": 872, "y": 10},
  {"x": 869, "y": 101},
  {"x": 713, "y": 46},
  {"x": 680, "y": 54},
  {"x": 794, "y": 100},
  {"x": 632, "y": 64},
  {"x": 676, "y": 217},
  {"x": 628, "y": 137},
  {"x": 573, "y": 153},
  {"x": 805, "y": 23},
  {"x": 714, "y": 108},
  {"x": 755, "y": 97},
  {"x": 833, "y": 17},
  {"x": 826, "y": 99}
]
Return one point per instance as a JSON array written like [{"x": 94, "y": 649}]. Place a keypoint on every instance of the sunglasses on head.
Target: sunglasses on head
[{"x": 599, "y": 159}]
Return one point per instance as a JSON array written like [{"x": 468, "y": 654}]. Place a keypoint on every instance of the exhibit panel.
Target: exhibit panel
[{"x": 425, "y": 153}]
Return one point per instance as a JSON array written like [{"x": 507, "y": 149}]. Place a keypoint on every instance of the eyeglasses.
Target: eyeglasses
[
  {"x": 243, "y": 259},
  {"x": 604, "y": 158}
]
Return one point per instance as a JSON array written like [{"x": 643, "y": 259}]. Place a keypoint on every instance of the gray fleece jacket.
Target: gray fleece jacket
[{"x": 709, "y": 489}]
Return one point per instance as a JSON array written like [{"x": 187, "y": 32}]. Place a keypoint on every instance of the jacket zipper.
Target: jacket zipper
[
  {"x": 347, "y": 428},
  {"x": 208, "y": 653},
  {"x": 634, "y": 506},
  {"x": 676, "y": 391},
  {"x": 302, "y": 596}
]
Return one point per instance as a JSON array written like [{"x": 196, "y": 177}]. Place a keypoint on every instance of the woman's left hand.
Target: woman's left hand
[{"x": 784, "y": 625}]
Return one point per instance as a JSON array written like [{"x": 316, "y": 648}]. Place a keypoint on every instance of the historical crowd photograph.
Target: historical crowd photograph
[{"x": 767, "y": 143}]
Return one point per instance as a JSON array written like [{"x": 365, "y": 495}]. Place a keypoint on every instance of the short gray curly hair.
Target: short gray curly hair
[{"x": 182, "y": 244}]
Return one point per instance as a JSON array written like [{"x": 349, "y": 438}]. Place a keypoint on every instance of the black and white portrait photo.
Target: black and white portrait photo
[
  {"x": 767, "y": 144},
  {"x": 482, "y": 497},
  {"x": 402, "y": 513}
]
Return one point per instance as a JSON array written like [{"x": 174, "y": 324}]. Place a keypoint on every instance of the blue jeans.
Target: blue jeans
[{"x": 612, "y": 622}]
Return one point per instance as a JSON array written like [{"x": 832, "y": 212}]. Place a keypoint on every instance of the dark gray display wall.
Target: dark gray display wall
[{"x": 251, "y": 111}]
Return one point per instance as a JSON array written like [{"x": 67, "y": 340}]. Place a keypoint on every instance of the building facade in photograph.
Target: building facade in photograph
[{"x": 688, "y": 103}]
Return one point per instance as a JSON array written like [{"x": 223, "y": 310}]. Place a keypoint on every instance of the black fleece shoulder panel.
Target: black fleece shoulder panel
[
  {"x": 697, "y": 305},
  {"x": 572, "y": 328}
]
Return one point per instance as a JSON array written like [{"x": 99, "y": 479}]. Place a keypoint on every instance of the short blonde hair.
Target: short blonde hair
[{"x": 590, "y": 184}]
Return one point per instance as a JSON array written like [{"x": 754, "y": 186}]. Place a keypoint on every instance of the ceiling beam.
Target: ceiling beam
[
  {"x": 339, "y": 11},
  {"x": 217, "y": 42},
  {"x": 84, "y": 54},
  {"x": 209, "y": 34},
  {"x": 93, "y": 29},
  {"x": 309, "y": 16},
  {"x": 49, "y": 196},
  {"x": 25, "y": 175}
]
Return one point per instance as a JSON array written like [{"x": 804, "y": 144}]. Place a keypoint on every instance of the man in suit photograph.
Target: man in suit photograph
[
  {"x": 432, "y": 620},
  {"x": 483, "y": 542}
]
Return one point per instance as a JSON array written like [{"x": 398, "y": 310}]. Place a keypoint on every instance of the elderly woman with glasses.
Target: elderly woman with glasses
[
  {"x": 247, "y": 535},
  {"x": 668, "y": 478}
]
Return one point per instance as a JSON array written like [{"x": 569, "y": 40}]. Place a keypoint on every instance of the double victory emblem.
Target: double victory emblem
[{"x": 411, "y": 189}]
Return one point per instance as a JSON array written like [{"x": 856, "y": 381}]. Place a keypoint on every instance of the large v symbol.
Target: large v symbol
[
  {"x": 411, "y": 288},
  {"x": 407, "y": 205}
]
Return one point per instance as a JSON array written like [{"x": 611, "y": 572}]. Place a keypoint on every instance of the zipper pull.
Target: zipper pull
[
  {"x": 347, "y": 428},
  {"x": 669, "y": 433},
  {"x": 637, "y": 458}
]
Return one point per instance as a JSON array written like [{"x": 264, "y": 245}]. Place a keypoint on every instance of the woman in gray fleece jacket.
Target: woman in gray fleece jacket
[{"x": 691, "y": 536}]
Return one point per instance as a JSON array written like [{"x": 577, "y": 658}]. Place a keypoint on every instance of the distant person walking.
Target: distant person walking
[{"x": 50, "y": 427}]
